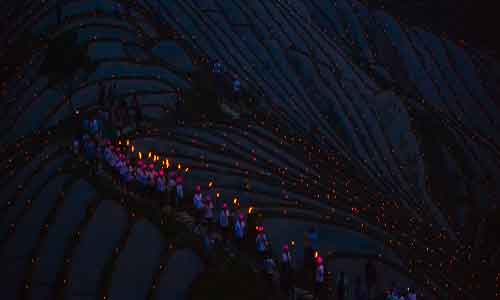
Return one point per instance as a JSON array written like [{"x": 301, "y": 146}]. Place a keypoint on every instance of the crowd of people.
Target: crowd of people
[{"x": 227, "y": 225}]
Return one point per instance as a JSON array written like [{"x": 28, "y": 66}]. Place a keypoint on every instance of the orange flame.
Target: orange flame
[
  {"x": 179, "y": 166},
  {"x": 250, "y": 209},
  {"x": 132, "y": 148},
  {"x": 140, "y": 155}
]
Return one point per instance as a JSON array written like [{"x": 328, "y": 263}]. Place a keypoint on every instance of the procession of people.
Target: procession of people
[{"x": 152, "y": 176}]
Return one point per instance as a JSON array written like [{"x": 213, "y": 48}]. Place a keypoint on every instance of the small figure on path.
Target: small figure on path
[{"x": 319, "y": 279}]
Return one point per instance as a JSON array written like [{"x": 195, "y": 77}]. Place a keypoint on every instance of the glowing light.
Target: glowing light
[
  {"x": 132, "y": 148},
  {"x": 250, "y": 209},
  {"x": 140, "y": 155},
  {"x": 292, "y": 243},
  {"x": 149, "y": 155},
  {"x": 316, "y": 253},
  {"x": 186, "y": 170},
  {"x": 217, "y": 195},
  {"x": 128, "y": 142},
  {"x": 210, "y": 183},
  {"x": 178, "y": 166}
]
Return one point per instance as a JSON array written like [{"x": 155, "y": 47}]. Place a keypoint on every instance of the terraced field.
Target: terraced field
[{"x": 385, "y": 135}]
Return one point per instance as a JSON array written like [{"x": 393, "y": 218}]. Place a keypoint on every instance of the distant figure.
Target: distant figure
[
  {"x": 269, "y": 269},
  {"x": 171, "y": 186},
  {"x": 240, "y": 229},
  {"x": 209, "y": 210},
  {"x": 236, "y": 89},
  {"x": 310, "y": 246},
  {"x": 319, "y": 279},
  {"x": 224, "y": 216},
  {"x": 286, "y": 273},
  {"x": 341, "y": 287},
  {"x": 198, "y": 203},
  {"x": 179, "y": 196},
  {"x": 411, "y": 294},
  {"x": 217, "y": 70},
  {"x": 262, "y": 241}
]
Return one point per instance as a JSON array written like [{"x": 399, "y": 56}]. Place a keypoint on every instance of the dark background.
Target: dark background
[{"x": 477, "y": 23}]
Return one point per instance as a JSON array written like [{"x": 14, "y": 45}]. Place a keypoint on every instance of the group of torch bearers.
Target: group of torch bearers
[{"x": 158, "y": 179}]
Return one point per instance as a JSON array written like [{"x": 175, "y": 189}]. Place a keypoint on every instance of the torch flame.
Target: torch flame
[
  {"x": 128, "y": 142},
  {"x": 316, "y": 254},
  {"x": 149, "y": 155},
  {"x": 250, "y": 209},
  {"x": 132, "y": 148},
  {"x": 217, "y": 195},
  {"x": 140, "y": 155},
  {"x": 210, "y": 183},
  {"x": 167, "y": 163},
  {"x": 179, "y": 166},
  {"x": 119, "y": 142},
  {"x": 186, "y": 170}
]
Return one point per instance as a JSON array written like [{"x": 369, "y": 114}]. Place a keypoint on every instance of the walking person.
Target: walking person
[
  {"x": 198, "y": 204},
  {"x": 179, "y": 196},
  {"x": 209, "y": 211},
  {"x": 269, "y": 270},
  {"x": 171, "y": 191},
  {"x": 319, "y": 279},
  {"x": 262, "y": 242},
  {"x": 224, "y": 216},
  {"x": 286, "y": 273},
  {"x": 240, "y": 230},
  {"x": 236, "y": 89}
]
